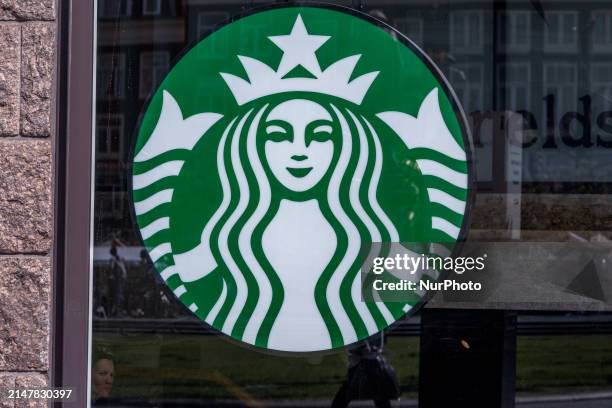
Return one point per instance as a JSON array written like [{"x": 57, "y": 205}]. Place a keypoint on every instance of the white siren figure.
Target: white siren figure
[{"x": 308, "y": 142}]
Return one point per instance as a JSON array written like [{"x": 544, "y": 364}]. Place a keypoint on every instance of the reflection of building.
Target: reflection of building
[
  {"x": 152, "y": 67},
  {"x": 497, "y": 59},
  {"x": 134, "y": 54},
  {"x": 411, "y": 27},
  {"x": 506, "y": 57},
  {"x": 133, "y": 58}
]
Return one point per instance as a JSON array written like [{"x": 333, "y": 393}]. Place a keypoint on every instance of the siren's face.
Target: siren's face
[{"x": 299, "y": 146}]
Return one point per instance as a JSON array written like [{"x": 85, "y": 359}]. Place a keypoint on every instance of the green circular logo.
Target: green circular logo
[{"x": 273, "y": 151}]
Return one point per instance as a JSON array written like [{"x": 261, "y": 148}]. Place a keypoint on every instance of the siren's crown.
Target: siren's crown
[{"x": 299, "y": 49}]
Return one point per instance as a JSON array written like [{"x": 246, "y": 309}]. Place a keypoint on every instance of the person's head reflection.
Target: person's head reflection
[{"x": 102, "y": 374}]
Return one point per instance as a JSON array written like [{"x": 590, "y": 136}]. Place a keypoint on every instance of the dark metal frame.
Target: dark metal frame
[{"x": 69, "y": 360}]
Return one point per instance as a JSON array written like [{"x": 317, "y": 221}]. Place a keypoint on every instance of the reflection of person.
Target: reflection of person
[
  {"x": 119, "y": 276},
  {"x": 102, "y": 376},
  {"x": 369, "y": 376}
]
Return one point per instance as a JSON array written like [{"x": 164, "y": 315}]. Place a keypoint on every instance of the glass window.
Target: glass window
[
  {"x": 151, "y": 7},
  {"x": 601, "y": 87},
  {"x": 466, "y": 28},
  {"x": 110, "y": 136},
  {"x": 411, "y": 27},
  {"x": 515, "y": 30},
  {"x": 561, "y": 34},
  {"x": 207, "y": 20},
  {"x": 468, "y": 80},
  {"x": 536, "y": 90},
  {"x": 514, "y": 79},
  {"x": 115, "y": 8},
  {"x": 111, "y": 71},
  {"x": 560, "y": 79},
  {"x": 153, "y": 66},
  {"x": 602, "y": 30}
]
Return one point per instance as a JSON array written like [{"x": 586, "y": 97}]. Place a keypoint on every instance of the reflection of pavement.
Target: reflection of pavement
[
  {"x": 526, "y": 325},
  {"x": 584, "y": 400},
  {"x": 602, "y": 403}
]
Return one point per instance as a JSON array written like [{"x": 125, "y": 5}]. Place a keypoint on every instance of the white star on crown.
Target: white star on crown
[{"x": 299, "y": 48}]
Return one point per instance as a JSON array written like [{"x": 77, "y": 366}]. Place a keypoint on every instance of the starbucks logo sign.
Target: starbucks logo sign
[{"x": 273, "y": 151}]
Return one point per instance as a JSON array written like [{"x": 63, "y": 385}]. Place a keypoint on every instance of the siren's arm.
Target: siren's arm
[{"x": 172, "y": 133}]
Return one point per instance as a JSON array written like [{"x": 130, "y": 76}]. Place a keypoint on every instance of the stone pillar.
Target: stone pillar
[{"x": 27, "y": 39}]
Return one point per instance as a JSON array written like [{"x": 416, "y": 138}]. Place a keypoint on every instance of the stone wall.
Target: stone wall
[{"x": 27, "y": 36}]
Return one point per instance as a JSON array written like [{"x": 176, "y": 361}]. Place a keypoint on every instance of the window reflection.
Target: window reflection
[
  {"x": 151, "y": 7},
  {"x": 562, "y": 32},
  {"x": 115, "y": 8},
  {"x": 411, "y": 27},
  {"x": 468, "y": 83},
  {"x": 111, "y": 74},
  {"x": 602, "y": 30},
  {"x": 467, "y": 31},
  {"x": 515, "y": 30},
  {"x": 153, "y": 66},
  {"x": 514, "y": 80},
  {"x": 502, "y": 62}
]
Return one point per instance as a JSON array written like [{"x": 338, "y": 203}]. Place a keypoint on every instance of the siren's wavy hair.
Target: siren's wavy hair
[{"x": 252, "y": 292}]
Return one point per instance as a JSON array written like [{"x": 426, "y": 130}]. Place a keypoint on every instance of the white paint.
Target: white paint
[
  {"x": 428, "y": 130},
  {"x": 362, "y": 162},
  {"x": 244, "y": 239},
  {"x": 180, "y": 291},
  {"x": 199, "y": 261},
  {"x": 237, "y": 274},
  {"x": 159, "y": 251},
  {"x": 153, "y": 228},
  {"x": 173, "y": 132},
  {"x": 443, "y": 225},
  {"x": 437, "y": 169},
  {"x": 157, "y": 199},
  {"x": 299, "y": 243},
  {"x": 382, "y": 216},
  {"x": 333, "y": 193},
  {"x": 299, "y": 49},
  {"x": 167, "y": 169},
  {"x": 447, "y": 200},
  {"x": 282, "y": 156},
  {"x": 168, "y": 272},
  {"x": 212, "y": 314}
]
